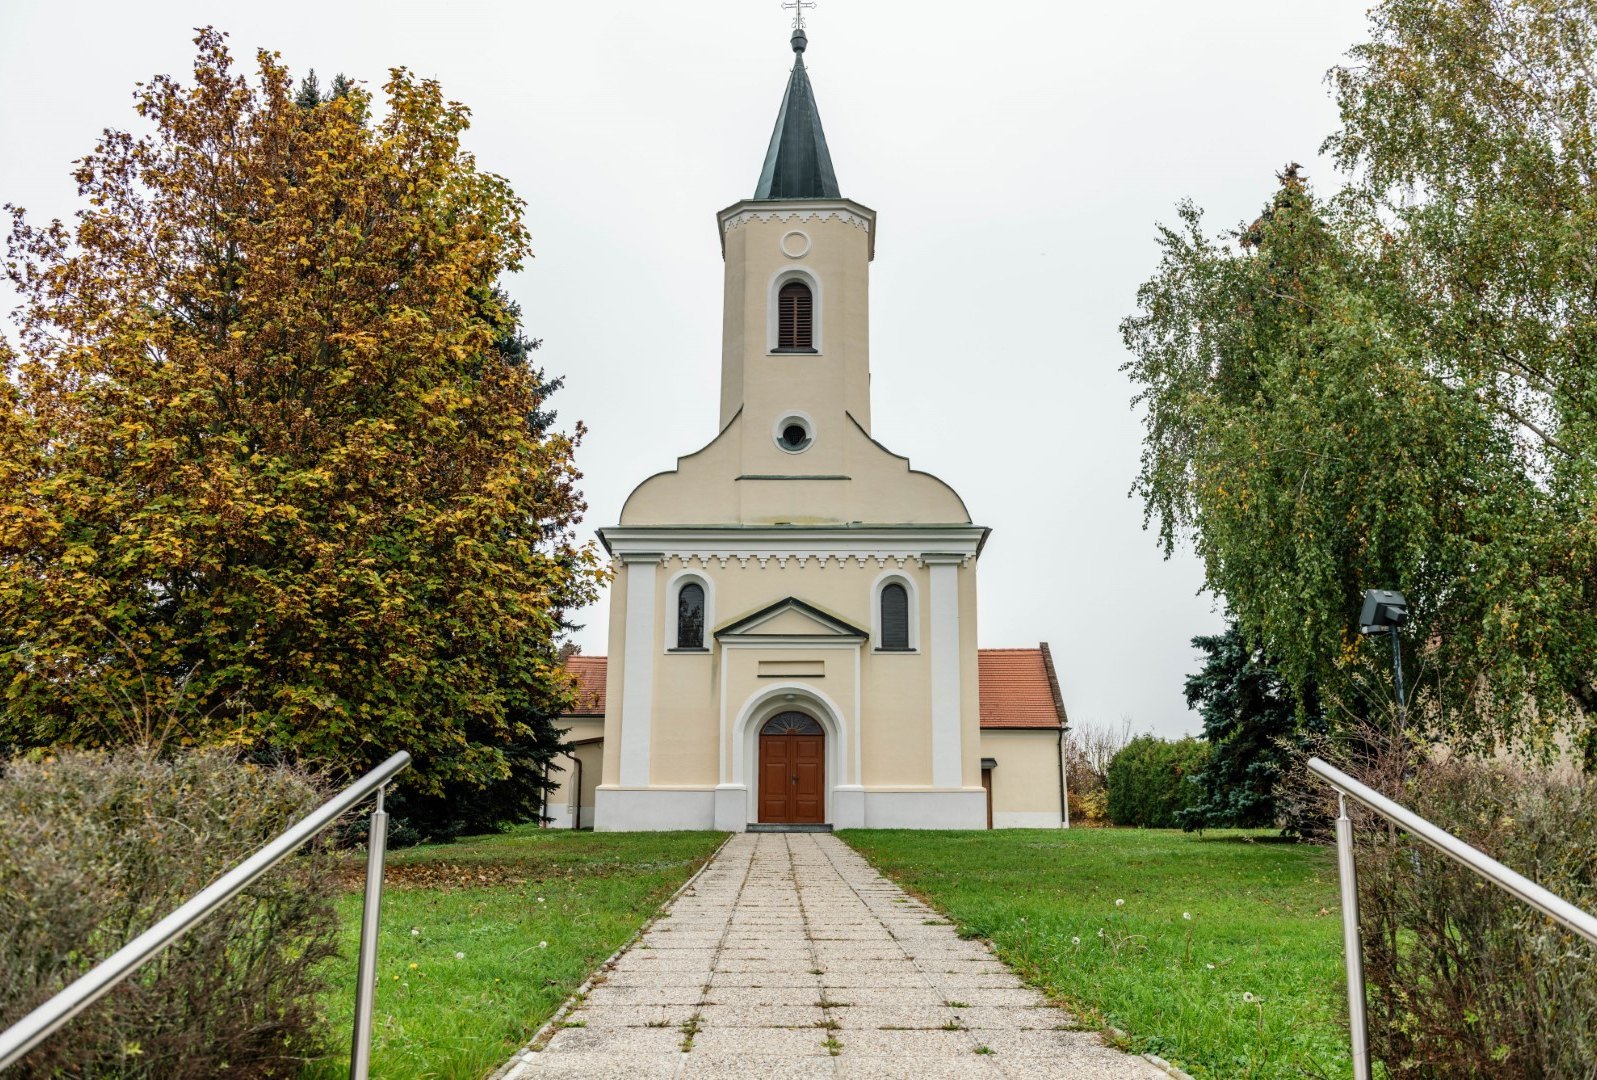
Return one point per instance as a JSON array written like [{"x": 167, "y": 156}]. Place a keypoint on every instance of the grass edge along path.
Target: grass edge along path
[
  {"x": 484, "y": 939},
  {"x": 1221, "y": 954}
]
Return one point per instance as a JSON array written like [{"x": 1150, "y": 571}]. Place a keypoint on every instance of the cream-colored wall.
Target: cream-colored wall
[
  {"x": 683, "y": 738},
  {"x": 743, "y": 476},
  {"x": 836, "y": 379},
  {"x": 563, "y": 798},
  {"x": 1027, "y": 777},
  {"x": 843, "y": 477},
  {"x": 687, "y": 742},
  {"x": 744, "y": 683}
]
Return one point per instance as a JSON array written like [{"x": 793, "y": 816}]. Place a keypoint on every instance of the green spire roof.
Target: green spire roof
[{"x": 798, "y": 165}]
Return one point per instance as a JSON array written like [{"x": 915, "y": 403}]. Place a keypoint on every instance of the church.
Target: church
[{"x": 793, "y": 614}]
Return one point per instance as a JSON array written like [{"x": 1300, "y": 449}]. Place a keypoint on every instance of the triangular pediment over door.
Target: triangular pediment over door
[{"x": 791, "y": 618}]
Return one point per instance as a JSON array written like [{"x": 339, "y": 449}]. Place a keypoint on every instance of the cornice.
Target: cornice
[
  {"x": 836, "y": 546},
  {"x": 798, "y": 210},
  {"x": 761, "y": 560}
]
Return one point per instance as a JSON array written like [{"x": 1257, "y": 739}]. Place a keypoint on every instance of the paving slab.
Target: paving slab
[
  {"x": 789, "y": 956},
  {"x": 760, "y": 1016},
  {"x": 714, "y": 1065},
  {"x": 595, "y": 1065},
  {"x": 866, "y": 1067}
]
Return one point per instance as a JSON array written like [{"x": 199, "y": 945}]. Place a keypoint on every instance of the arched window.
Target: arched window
[
  {"x": 792, "y": 723},
  {"x": 795, "y": 317},
  {"x": 690, "y": 616},
  {"x": 895, "y": 616}
]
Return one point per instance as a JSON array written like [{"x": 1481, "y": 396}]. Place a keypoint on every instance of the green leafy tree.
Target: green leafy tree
[
  {"x": 1251, "y": 721},
  {"x": 1304, "y": 438},
  {"x": 1472, "y": 126},
  {"x": 1152, "y": 781},
  {"x": 276, "y": 469}
]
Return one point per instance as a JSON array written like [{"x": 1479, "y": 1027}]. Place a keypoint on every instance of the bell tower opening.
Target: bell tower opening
[{"x": 795, "y": 318}]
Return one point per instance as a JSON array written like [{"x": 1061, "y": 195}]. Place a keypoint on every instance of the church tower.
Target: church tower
[{"x": 793, "y": 617}]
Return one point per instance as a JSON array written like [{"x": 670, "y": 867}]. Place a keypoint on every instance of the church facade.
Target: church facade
[{"x": 793, "y": 614}]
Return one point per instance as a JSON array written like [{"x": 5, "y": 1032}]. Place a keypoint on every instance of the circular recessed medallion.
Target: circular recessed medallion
[
  {"x": 795, "y": 243},
  {"x": 794, "y": 433}
]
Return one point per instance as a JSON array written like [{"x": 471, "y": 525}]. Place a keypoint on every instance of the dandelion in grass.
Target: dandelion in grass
[
  {"x": 460, "y": 956},
  {"x": 1075, "y": 941},
  {"x": 1100, "y": 931},
  {"x": 1187, "y": 915},
  {"x": 415, "y": 967},
  {"x": 1258, "y": 1003},
  {"x": 415, "y": 931},
  {"x": 540, "y": 899},
  {"x": 1209, "y": 966},
  {"x": 1120, "y": 903},
  {"x": 543, "y": 944}
]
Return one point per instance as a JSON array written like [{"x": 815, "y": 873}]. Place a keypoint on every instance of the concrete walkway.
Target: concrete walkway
[{"x": 790, "y": 956}]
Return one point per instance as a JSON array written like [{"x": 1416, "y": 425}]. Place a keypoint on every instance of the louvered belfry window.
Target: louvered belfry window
[
  {"x": 690, "y": 616},
  {"x": 895, "y": 617},
  {"x": 795, "y": 317}
]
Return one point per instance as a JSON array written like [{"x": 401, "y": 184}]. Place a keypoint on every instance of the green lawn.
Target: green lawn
[
  {"x": 1264, "y": 922},
  {"x": 484, "y": 938}
]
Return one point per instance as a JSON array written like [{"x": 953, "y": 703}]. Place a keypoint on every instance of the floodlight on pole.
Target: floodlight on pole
[{"x": 1384, "y": 611}]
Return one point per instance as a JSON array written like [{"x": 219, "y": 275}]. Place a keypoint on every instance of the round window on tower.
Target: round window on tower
[{"x": 794, "y": 433}]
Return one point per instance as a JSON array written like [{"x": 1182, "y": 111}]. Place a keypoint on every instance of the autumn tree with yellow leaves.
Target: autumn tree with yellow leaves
[{"x": 276, "y": 470}]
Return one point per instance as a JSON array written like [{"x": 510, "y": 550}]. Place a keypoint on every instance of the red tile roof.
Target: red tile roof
[
  {"x": 590, "y": 673},
  {"x": 1018, "y": 687}
]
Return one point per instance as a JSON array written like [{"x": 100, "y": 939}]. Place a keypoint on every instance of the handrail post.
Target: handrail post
[
  {"x": 360, "y": 1051},
  {"x": 93, "y": 984},
  {"x": 1353, "y": 950}
]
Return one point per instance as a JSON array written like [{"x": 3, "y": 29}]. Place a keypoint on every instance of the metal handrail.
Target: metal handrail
[
  {"x": 88, "y": 988},
  {"x": 1478, "y": 862}
]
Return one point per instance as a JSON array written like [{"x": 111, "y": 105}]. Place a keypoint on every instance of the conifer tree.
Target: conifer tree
[{"x": 1254, "y": 728}]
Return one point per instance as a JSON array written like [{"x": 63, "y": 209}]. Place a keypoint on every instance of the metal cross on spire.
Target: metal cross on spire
[{"x": 798, "y": 7}]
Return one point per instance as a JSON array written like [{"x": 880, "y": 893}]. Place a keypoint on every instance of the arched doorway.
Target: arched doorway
[{"x": 792, "y": 770}]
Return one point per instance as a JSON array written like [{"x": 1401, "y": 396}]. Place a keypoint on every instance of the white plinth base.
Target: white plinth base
[
  {"x": 731, "y": 808},
  {"x": 848, "y": 807},
  {"x": 653, "y": 810},
  {"x": 728, "y": 809},
  {"x": 1026, "y": 819},
  {"x": 962, "y": 809},
  {"x": 560, "y": 817}
]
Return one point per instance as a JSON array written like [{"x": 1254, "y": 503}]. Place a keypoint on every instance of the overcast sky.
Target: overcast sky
[{"x": 1018, "y": 156}]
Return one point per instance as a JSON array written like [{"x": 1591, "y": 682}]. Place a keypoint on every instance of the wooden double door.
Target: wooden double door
[{"x": 792, "y": 770}]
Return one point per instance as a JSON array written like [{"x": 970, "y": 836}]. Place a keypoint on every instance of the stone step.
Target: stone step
[{"x": 763, "y": 826}]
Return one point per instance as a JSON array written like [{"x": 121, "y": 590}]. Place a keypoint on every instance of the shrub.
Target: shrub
[
  {"x": 1089, "y": 747},
  {"x": 1150, "y": 781},
  {"x": 99, "y": 846},
  {"x": 1463, "y": 979},
  {"x": 1090, "y": 807}
]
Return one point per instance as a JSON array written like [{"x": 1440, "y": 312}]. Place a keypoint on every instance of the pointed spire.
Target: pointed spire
[{"x": 797, "y": 164}]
